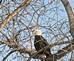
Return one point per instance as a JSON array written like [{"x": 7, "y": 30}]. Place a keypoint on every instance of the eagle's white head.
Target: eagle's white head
[{"x": 37, "y": 32}]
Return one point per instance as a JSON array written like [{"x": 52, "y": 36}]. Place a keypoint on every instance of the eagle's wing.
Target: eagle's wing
[
  {"x": 44, "y": 41},
  {"x": 47, "y": 51}
]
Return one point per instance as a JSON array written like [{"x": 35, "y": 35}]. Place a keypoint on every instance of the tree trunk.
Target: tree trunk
[{"x": 70, "y": 15}]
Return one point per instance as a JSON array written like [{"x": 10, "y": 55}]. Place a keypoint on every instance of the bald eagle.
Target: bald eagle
[{"x": 40, "y": 42}]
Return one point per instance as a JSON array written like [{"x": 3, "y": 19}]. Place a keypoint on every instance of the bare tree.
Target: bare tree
[{"x": 19, "y": 18}]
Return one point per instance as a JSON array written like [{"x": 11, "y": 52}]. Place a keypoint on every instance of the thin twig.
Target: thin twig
[
  {"x": 8, "y": 55},
  {"x": 14, "y": 13}
]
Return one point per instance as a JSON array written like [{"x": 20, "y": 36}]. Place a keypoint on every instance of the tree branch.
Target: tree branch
[
  {"x": 65, "y": 50},
  {"x": 34, "y": 54},
  {"x": 8, "y": 55},
  {"x": 70, "y": 15},
  {"x": 14, "y": 13}
]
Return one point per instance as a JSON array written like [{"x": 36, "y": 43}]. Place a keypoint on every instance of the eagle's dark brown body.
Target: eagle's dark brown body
[{"x": 40, "y": 43}]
